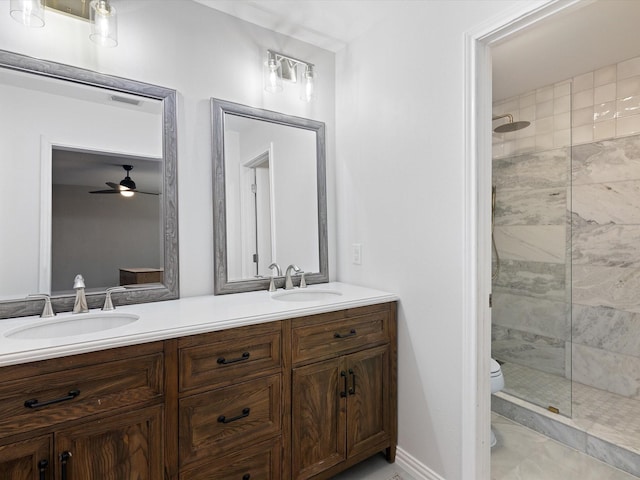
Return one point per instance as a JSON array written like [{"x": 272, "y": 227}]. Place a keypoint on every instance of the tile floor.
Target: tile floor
[
  {"x": 521, "y": 454},
  {"x": 375, "y": 468}
]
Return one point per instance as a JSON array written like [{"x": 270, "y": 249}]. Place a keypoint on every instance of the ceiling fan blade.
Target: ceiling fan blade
[
  {"x": 146, "y": 193},
  {"x": 115, "y": 186},
  {"x": 104, "y": 191}
]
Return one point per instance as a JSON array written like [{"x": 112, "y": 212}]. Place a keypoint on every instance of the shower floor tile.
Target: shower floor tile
[{"x": 605, "y": 415}]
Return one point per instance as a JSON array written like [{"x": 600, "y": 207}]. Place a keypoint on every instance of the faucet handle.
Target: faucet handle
[
  {"x": 303, "y": 282},
  {"x": 108, "y": 303},
  {"x": 47, "y": 311}
]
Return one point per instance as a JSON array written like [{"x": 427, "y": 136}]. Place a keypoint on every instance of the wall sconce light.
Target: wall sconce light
[
  {"x": 100, "y": 13},
  {"x": 104, "y": 26},
  {"x": 279, "y": 66},
  {"x": 28, "y": 12}
]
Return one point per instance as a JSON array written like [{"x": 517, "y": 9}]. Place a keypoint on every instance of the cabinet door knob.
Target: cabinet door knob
[
  {"x": 246, "y": 476},
  {"x": 343, "y": 374},
  {"x": 64, "y": 458},
  {"x": 352, "y": 390},
  {"x": 42, "y": 469}
]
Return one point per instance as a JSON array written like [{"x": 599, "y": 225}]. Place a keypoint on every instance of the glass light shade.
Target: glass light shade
[
  {"x": 28, "y": 12},
  {"x": 104, "y": 25},
  {"x": 271, "y": 75},
  {"x": 308, "y": 84},
  {"x": 127, "y": 193}
]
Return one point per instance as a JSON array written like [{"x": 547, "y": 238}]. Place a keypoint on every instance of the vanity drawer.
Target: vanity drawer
[
  {"x": 68, "y": 394},
  {"x": 261, "y": 462},
  {"x": 314, "y": 338},
  {"x": 215, "y": 423},
  {"x": 221, "y": 358}
]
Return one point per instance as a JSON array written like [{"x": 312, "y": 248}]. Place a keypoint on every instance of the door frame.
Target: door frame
[{"x": 476, "y": 352}]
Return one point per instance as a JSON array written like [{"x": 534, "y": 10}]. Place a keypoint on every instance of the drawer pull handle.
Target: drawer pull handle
[
  {"x": 246, "y": 476},
  {"x": 64, "y": 458},
  {"x": 345, "y": 335},
  {"x": 224, "y": 361},
  {"x": 352, "y": 390},
  {"x": 33, "y": 403},
  {"x": 343, "y": 374},
  {"x": 42, "y": 468},
  {"x": 245, "y": 413}
]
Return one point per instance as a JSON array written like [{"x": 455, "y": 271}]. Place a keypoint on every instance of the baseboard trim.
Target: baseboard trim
[{"x": 415, "y": 468}]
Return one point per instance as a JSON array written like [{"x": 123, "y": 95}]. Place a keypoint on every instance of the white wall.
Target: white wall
[
  {"x": 201, "y": 53},
  {"x": 100, "y": 234},
  {"x": 400, "y": 179}
]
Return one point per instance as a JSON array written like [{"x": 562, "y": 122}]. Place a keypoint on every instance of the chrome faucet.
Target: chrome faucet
[
  {"x": 272, "y": 285},
  {"x": 80, "y": 305},
  {"x": 47, "y": 311},
  {"x": 108, "y": 303},
  {"x": 288, "y": 284}
]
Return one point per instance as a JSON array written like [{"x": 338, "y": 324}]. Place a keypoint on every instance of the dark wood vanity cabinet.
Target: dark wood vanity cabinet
[
  {"x": 303, "y": 398},
  {"x": 343, "y": 390},
  {"x": 96, "y": 415}
]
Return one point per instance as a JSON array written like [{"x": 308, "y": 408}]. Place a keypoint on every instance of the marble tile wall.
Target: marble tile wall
[
  {"x": 530, "y": 312},
  {"x": 606, "y": 265},
  {"x": 584, "y": 129}
]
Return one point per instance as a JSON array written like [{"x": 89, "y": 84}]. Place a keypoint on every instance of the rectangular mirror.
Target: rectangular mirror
[
  {"x": 72, "y": 139},
  {"x": 269, "y": 196}
]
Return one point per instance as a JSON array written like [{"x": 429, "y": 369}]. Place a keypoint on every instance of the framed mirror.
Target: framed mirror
[
  {"x": 269, "y": 197},
  {"x": 72, "y": 140}
]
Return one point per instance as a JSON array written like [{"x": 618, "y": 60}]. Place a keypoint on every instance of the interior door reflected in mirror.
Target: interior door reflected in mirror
[
  {"x": 272, "y": 201},
  {"x": 269, "y": 196},
  {"x": 68, "y": 132}
]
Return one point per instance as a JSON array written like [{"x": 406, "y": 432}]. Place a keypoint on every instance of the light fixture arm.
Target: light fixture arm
[{"x": 281, "y": 56}]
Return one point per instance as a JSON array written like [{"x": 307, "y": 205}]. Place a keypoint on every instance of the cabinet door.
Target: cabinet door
[
  {"x": 27, "y": 460},
  {"x": 368, "y": 391},
  {"x": 318, "y": 417},
  {"x": 122, "y": 447}
]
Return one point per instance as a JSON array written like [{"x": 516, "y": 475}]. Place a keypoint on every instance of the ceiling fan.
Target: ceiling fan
[{"x": 126, "y": 187}]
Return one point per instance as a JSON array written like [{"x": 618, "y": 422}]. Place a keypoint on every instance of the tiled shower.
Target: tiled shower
[{"x": 566, "y": 288}]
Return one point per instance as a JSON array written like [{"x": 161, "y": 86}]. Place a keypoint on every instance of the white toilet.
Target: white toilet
[{"x": 497, "y": 384}]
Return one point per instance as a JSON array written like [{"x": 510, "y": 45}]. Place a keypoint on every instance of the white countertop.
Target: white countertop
[{"x": 177, "y": 318}]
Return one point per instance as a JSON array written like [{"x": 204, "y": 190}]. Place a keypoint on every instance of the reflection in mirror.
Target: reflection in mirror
[
  {"x": 269, "y": 196},
  {"x": 67, "y": 132},
  {"x": 96, "y": 228}
]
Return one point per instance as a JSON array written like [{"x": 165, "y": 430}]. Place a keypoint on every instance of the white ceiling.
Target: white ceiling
[
  {"x": 596, "y": 34},
  {"x": 328, "y": 24}
]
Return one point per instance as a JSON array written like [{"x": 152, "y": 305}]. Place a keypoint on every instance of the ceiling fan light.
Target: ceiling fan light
[{"x": 127, "y": 193}]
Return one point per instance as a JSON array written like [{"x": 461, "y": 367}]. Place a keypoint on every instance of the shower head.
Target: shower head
[{"x": 510, "y": 126}]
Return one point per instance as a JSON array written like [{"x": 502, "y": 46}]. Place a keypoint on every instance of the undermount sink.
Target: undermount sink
[
  {"x": 72, "y": 325},
  {"x": 303, "y": 295}
]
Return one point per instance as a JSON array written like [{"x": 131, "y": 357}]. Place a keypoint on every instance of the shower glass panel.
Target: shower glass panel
[{"x": 531, "y": 278}]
